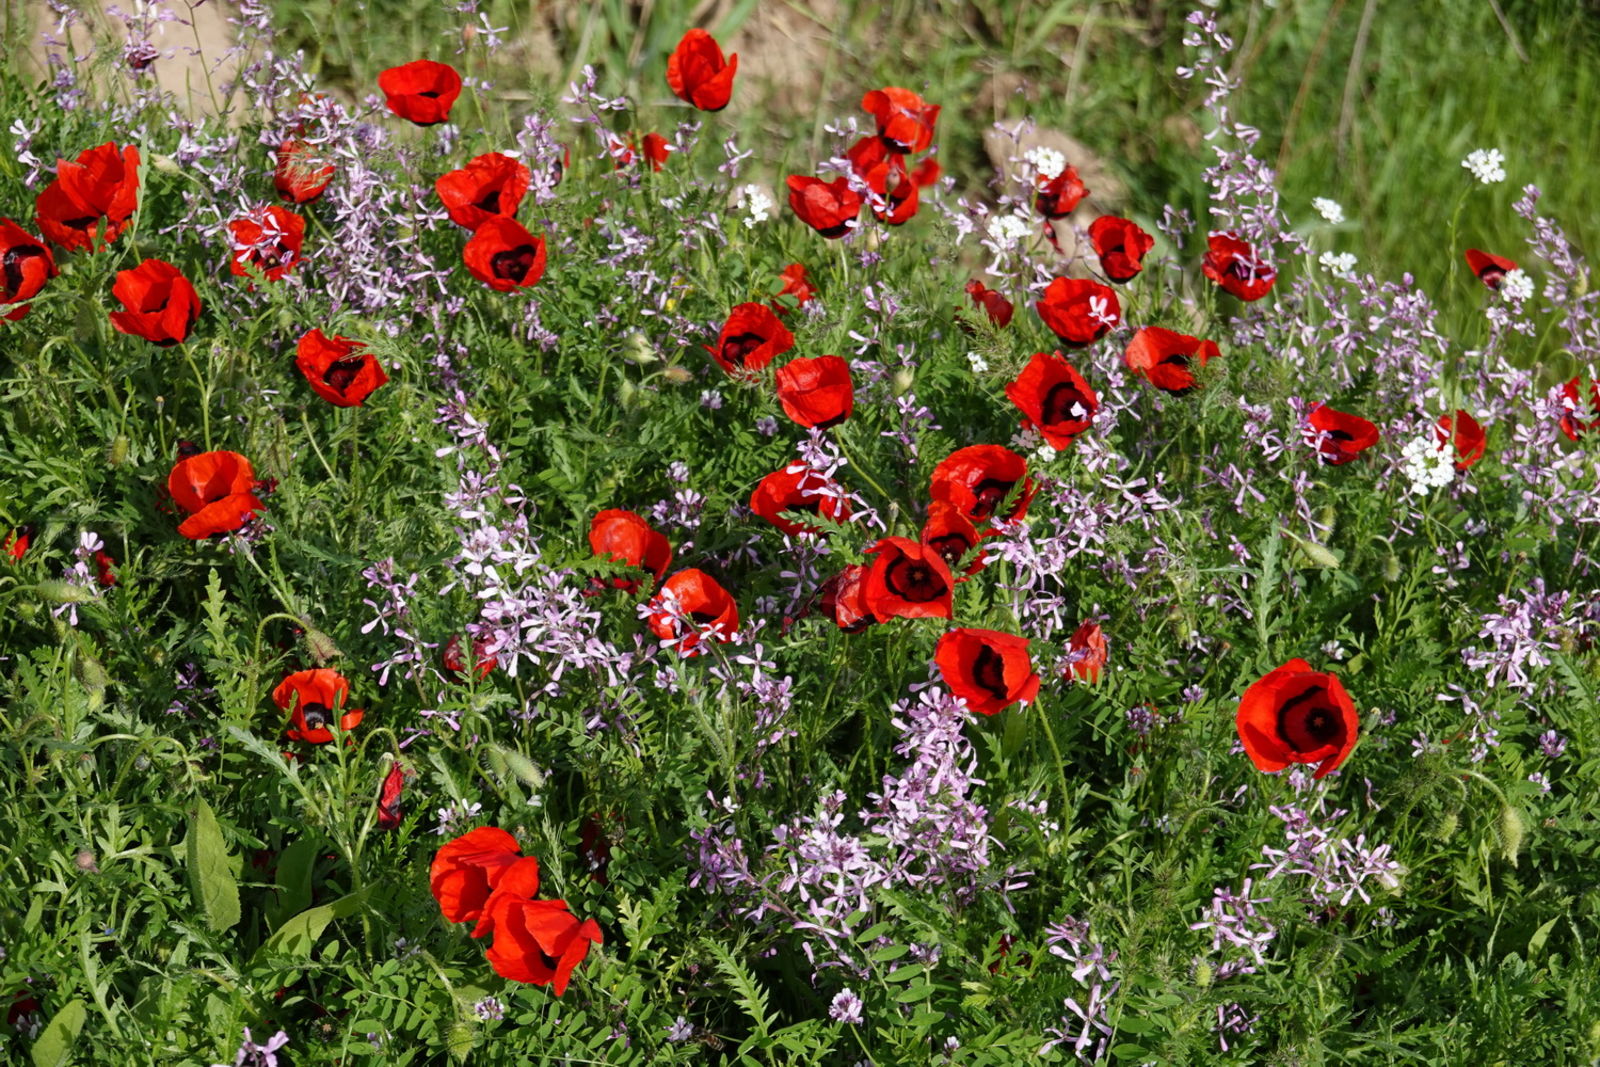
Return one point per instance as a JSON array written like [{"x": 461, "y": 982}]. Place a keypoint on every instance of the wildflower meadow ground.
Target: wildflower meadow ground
[{"x": 637, "y": 573}]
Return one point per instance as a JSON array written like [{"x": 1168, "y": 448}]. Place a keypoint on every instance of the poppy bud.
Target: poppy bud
[
  {"x": 640, "y": 350},
  {"x": 521, "y": 766},
  {"x": 165, "y": 164},
  {"x": 1203, "y": 974},
  {"x": 117, "y": 454},
  {"x": 678, "y": 375},
  {"x": 1513, "y": 828},
  {"x": 904, "y": 378},
  {"x": 319, "y": 644},
  {"x": 84, "y": 861},
  {"x": 1447, "y": 826},
  {"x": 61, "y": 592},
  {"x": 1327, "y": 517},
  {"x": 1391, "y": 568}
]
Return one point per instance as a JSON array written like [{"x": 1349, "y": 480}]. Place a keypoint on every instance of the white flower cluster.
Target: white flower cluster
[
  {"x": 978, "y": 364},
  {"x": 1047, "y": 161},
  {"x": 1516, "y": 286},
  {"x": 1429, "y": 464},
  {"x": 756, "y": 201},
  {"x": 1007, "y": 230},
  {"x": 1487, "y": 165},
  {"x": 1031, "y": 443},
  {"x": 1340, "y": 264},
  {"x": 1329, "y": 209}
]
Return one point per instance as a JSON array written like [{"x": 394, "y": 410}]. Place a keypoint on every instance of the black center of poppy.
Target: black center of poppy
[
  {"x": 315, "y": 715},
  {"x": 341, "y": 372},
  {"x": 514, "y": 263},
  {"x": 15, "y": 260},
  {"x": 431, "y": 94},
  {"x": 705, "y": 618},
  {"x": 491, "y": 202},
  {"x": 1307, "y": 722},
  {"x": 1492, "y": 276},
  {"x": 269, "y": 258},
  {"x": 989, "y": 671},
  {"x": 1059, "y": 402},
  {"x": 991, "y": 491},
  {"x": 951, "y": 546},
  {"x": 737, "y": 349},
  {"x": 914, "y": 580},
  {"x": 82, "y": 223},
  {"x": 1340, "y": 435},
  {"x": 1048, "y": 204}
]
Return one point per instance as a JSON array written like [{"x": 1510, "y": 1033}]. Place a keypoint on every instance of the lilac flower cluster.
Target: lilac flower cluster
[
  {"x": 1338, "y": 869},
  {"x": 1085, "y": 1026}
]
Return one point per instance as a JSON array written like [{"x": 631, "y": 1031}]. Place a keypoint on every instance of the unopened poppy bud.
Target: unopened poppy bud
[
  {"x": 1448, "y": 824},
  {"x": 1202, "y": 974},
  {"x": 161, "y": 402},
  {"x": 117, "y": 454},
  {"x": 903, "y": 379},
  {"x": 1327, "y": 517},
  {"x": 678, "y": 375},
  {"x": 1513, "y": 828},
  {"x": 1319, "y": 555},
  {"x": 62, "y": 592},
  {"x": 627, "y": 393},
  {"x": 1391, "y": 568},
  {"x": 639, "y": 349},
  {"x": 523, "y": 768},
  {"x": 84, "y": 861},
  {"x": 1569, "y": 642},
  {"x": 319, "y": 644}
]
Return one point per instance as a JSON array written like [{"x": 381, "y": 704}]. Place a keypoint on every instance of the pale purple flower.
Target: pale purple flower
[{"x": 846, "y": 1008}]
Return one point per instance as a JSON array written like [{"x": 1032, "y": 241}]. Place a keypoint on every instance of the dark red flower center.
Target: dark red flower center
[
  {"x": 431, "y": 94},
  {"x": 514, "y": 263},
  {"x": 992, "y": 491},
  {"x": 951, "y": 546},
  {"x": 989, "y": 671},
  {"x": 341, "y": 372},
  {"x": 316, "y": 716},
  {"x": 1308, "y": 722},
  {"x": 705, "y": 618},
  {"x": 738, "y": 348},
  {"x": 914, "y": 580},
  {"x": 81, "y": 223},
  {"x": 1060, "y": 402},
  {"x": 16, "y": 260},
  {"x": 491, "y": 202}
]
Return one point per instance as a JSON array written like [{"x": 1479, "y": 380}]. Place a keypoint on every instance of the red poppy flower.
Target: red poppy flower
[
  {"x": 389, "y": 813},
  {"x": 216, "y": 489},
  {"x": 988, "y": 669},
  {"x": 798, "y": 488},
  {"x": 976, "y": 480},
  {"x": 105, "y": 569},
  {"x": 951, "y": 534},
  {"x": 421, "y": 91},
  {"x": 827, "y": 207},
  {"x": 622, "y": 151},
  {"x": 907, "y": 580},
  {"x": 339, "y": 370},
  {"x": 697, "y": 73},
  {"x": 1571, "y": 425},
  {"x": 302, "y": 172},
  {"x": 490, "y": 184},
  {"x": 1233, "y": 264},
  {"x": 90, "y": 202},
  {"x": 1054, "y": 398},
  {"x": 816, "y": 392},
  {"x": 25, "y": 265},
  {"x": 749, "y": 340},
  {"x": 844, "y": 599},
  {"x": 693, "y": 595},
  {"x": 1165, "y": 358},
  {"x": 267, "y": 240},
  {"x": 927, "y": 172},
  {"x": 466, "y": 870},
  {"x": 503, "y": 255},
  {"x": 1339, "y": 436},
  {"x": 455, "y": 664},
  {"x": 1086, "y": 652},
  {"x": 1121, "y": 246},
  {"x": 535, "y": 941},
  {"x": 1470, "y": 440},
  {"x": 656, "y": 150},
  {"x": 314, "y": 697},
  {"x": 885, "y": 173},
  {"x": 995, "y": 305},
  {"x": 1490, "y": 268},
  {"x": 623, "y": 537},
  {"x": 1056, "y": 198},
  {"x": 159, "y": 303},
  {"x": 905, "y": 120},
  {"x": 1297, "y": 715},
  {"x": 1079, "y": 310},
  {"x": 16, "y": 543},
  {"x": 795, "y": 284}
]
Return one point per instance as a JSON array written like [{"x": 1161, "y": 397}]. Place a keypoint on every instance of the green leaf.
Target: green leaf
[
  {"x": 294, "y": 880},
  {"x": 920, "y": 991},
  {"x": 54, "y": 1043},
  {"x": 1540, "y": 936},
  {"x": 298, "y": 936},
  {"x": 211, "y": 880}
]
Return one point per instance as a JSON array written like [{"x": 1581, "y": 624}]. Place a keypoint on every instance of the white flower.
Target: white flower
[
  {"x": 1340, "y": 264},
  {"x": 1516, "y": 286},
  {"x": 978, "y": 364},
  {"x": 1329, "y": 209},
  {"x": 1428, "y": 463},
  {"x": 1007, "y": 230},
  {"x": 1047, "y": 161},
  {"x": 1487, "y": 165},
  {"x": 756, "y": 201}
]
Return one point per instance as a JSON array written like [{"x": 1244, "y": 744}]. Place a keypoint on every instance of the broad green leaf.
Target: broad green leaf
[
  {"x": 299, "y": 935},
  {"x": 211, "y": 879},
  {"x": 53, "y": 1046}
]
